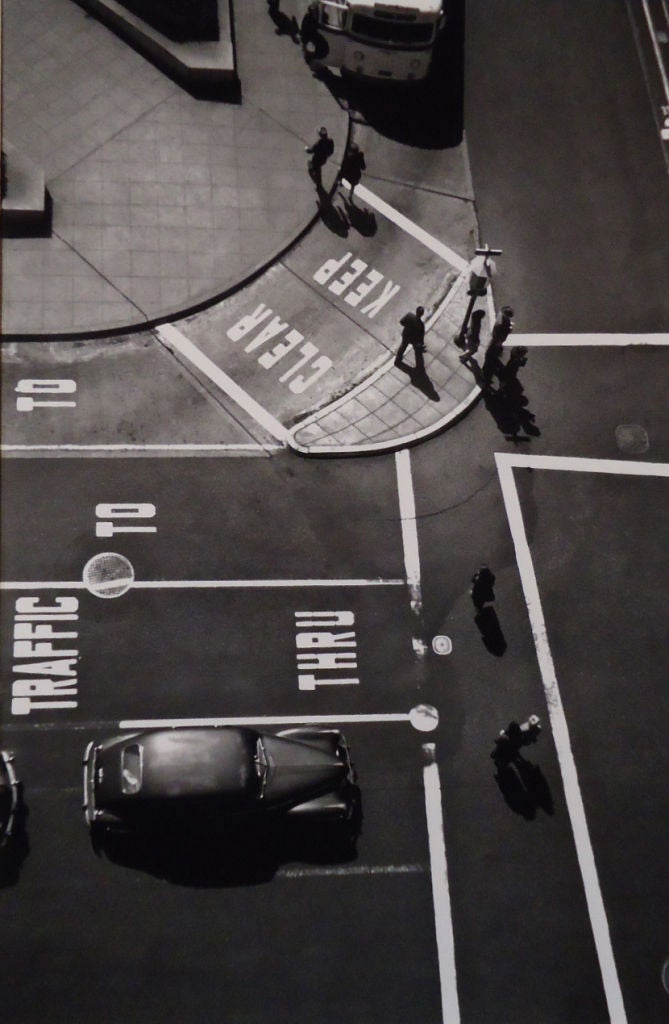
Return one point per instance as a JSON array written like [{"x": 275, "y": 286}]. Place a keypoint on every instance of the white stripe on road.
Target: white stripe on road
[
  {"x": 170, "y": 449},
  {"x": 171, "y": 336},
  {"x": 450, "y": 1008},
  {"x": 586, "y": 340},
  {"x": 656, "y": 50},
  {"x": 572, "y": 790},
  {"x": 201, "y": 584},
  {"x": 180, "y": 723},
  {"x": 407, "y": 505},
  {"x": 353, "y": 869},
  {"x": 411, "y": 228},
  {"x": 582, "y": 465}
]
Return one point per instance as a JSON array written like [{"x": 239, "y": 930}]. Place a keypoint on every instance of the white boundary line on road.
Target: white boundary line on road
[
  {"x": 180, "y": 723},
  {"x": 172, "y": 449},
  {"x": 171, "y": 336},
  {"x": 506, "y": 463},
  {"x": 353, "y": 869},
  {"x": 656, "y": 49},
  {"x": 410, "y": 548},
  {"x": 203, "y": 584},
  {"x": 411, "y": 228},
  {"x": 441, "y": 898},
  {"x": 586, "y": 340}
]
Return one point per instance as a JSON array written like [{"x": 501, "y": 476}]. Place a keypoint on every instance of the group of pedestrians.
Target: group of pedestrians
[{"x": 320, "y": 152}]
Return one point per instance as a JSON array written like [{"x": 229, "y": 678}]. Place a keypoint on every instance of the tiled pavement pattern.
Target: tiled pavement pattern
[
  {"x": 160, "y": 200},
  {"x": 391, "y": 408}
]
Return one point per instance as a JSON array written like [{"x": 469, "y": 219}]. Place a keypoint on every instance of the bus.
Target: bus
[{"x": 372, "y": 39}]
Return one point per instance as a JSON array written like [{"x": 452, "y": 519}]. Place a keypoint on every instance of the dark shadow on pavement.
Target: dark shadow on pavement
[
  {"x": 16, "y": 849},
  {"x": 285, "y": 26},
  {"x": 507, "y": 403},
  {"x": 524, "y": 788},
  {"x": 361, "y": 219},
  {"x": 243, "y": 855},
  {"x": 419, "y": 380},
  {"x": 491, "y": 631},
  {"x": 332, "y": 217}
]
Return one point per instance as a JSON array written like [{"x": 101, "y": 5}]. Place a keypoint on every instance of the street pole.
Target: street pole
[{"x": 482, "y": 269}]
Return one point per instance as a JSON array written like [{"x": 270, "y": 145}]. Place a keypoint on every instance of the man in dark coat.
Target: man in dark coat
[
  {"x": 413, "y": 333},
  {"x": 322, "y": 149}
]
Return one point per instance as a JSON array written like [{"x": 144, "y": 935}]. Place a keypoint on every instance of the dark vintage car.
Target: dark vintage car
[
  {"x": 9, "y": 799},
  {"x": 212, "y": 777}
]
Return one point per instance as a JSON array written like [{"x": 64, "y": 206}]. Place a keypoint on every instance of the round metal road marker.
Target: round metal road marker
[
  {"x": 442, "y": 644},
  {"x": 424, "y": 717},
  {"x": 108, "y": 575}
]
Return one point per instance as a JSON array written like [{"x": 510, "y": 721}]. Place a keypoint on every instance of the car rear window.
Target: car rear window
[{"x": 131, "y": 768}]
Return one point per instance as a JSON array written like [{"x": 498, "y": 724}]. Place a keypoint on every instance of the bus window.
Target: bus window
[{"x": 332, "y": 15}]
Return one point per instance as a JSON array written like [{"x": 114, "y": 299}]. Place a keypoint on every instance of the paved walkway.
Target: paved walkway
[{"x": 162, "y": 201}]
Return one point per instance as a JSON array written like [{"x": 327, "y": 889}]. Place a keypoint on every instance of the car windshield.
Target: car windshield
[{"x": 261, "y": 763}]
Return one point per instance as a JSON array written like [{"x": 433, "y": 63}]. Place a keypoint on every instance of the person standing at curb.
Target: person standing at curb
[
  {"x": 321, "y": 151},
  {"x": 483, "y": 582},
  {"x": 473, "y": 336},
  {"x": 352, "y": 167},
  {"x": 413, "y": 333},
  {"x": 501, "y": 330}
]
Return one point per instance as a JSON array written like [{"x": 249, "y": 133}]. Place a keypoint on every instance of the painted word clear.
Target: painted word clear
[
  {"x": 325, "y": 644},
  {"x": 50, "y": 684},
  {"x": 353, "y": 286},
  {"x": 263, "y": 328}
]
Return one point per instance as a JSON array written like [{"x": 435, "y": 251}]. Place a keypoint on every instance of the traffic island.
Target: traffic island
[{"x": 206, "y": 68}]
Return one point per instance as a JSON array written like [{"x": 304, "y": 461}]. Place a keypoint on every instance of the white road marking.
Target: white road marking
[
  {"x": 656, "y": 50},
  {"x": 585, "y": 853},
  {"x": 353, "y": 869},
  {"x": 141, "y": 449},
  {"x": 171, "y": 336},
  {"x": 410, "y": 543},
  {"x": 441, "y": 898},
  {"x": 586, "y": 340},
  {"x": 180, "y": 723},
  {"x": 411, "y": 228},
  {"x": 582, "y": 465},
  {"x": 203, "y": 584}
]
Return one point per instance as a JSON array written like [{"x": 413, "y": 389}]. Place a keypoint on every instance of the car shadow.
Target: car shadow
[
  {"x": 16, "y": 848},
  {"x": 244, "y": 855}
]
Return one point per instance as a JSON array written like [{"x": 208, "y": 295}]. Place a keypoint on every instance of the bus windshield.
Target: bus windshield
[{"x": 400, "y": 33}]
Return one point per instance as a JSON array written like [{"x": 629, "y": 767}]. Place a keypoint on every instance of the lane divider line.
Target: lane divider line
[
  {"x": 203, "y": 584},
  {"x": 353, "y": 869},
  {"x": 656, "y": 49},
  {"x": 576, "y": 464},
  {"x": 172, "y": 449},
  {"x": 586, "y": 340},
  {"x": 441, "y": 897},
  {"x": 179, "y": 723},
  {"x": 558, "y": 720},
  {"x": 407, "y": 505},
  {"x": 173, "y": 337},
  {"x": 411, "y": 228}
]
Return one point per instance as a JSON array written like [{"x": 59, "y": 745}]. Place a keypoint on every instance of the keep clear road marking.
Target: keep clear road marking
[
  {"x": 586, "y": 858},
  {"x": 412, "y": 229},
  {"x": 173, "y": 337}
]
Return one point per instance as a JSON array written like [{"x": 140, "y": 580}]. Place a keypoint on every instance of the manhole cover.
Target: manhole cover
[
  {"x": 632, "y": 439},
  {"x": 442, "y": 644},
  {"x": 424, "y": 718},
  {"x": 108, "y": 575}
]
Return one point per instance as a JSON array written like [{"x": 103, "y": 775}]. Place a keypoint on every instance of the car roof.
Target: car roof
[{"x": 197, "y": 762}]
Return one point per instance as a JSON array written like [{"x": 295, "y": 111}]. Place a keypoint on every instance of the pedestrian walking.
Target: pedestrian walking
[
  {"x": 501, "y": 330},
  {"x": 352, "y": 167},
  {"x": 413, "y": 333},
  {"x": 322, "y": 149},
  {"x": 482, "y": 588}
]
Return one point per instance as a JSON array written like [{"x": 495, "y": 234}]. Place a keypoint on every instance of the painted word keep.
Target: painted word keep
[
  {"x": 356, "y": 287},
  {"x": 322, "y": 650}
]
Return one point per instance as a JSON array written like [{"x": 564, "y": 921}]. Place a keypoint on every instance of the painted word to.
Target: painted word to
[
  {"x": 107, "y": 514},
  {"x": 264, "y": 328},
  {"x": 322, "y": 650},
  {"x": 52, "y": 388},
  {"x": 356, "y": 289},
  {"x": 44, "y": 684}
]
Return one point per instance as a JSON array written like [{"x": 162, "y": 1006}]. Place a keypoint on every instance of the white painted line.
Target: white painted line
[
  {"x": 572, "y": 790},
  {"x": 568, "y": 464},
  {"x": 194, "y": 723},
  {"x": 656, "y": 50},
  {"x": 411, "y": 228},
  {"x": 441, "y": 898},
  {"x": 353, "y": 869},
  {"x": 203, "y": 584},
  {"x": 586, "y": 340},
  {"x": 172, "y": 449},
  {"x": 410, "y": 543},
  {"x": 171, "y": 336}
]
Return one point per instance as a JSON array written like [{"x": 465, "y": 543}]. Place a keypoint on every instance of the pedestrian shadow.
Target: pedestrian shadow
[
  {"x": 333, "y": 217},
  {"x": 285, "y": 26},
  {"x": 524, "y": 788},
  {"x": 507, "y": 403},
  {"x": 491, "y": 631},
  {"x": 420, "y": 380},
  {"x": 361, "y": 219}
]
